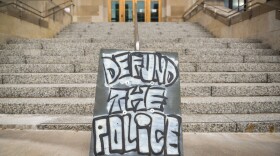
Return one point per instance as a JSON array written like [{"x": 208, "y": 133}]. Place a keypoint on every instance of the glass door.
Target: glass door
[
  {"x": 123, "y": 10},
  {"x": 129, "y": 11},
  {"x": 115, "y": 9},
  {"x": 154, "y": 11},
  {"x": 141, "y": 10}
]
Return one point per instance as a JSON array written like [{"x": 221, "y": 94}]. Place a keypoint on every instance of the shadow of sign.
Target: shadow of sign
[{"x": 137, "y": 104}]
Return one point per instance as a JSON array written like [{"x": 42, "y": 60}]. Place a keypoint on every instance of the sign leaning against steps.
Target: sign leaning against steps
[{"x": 137, "y": 104}]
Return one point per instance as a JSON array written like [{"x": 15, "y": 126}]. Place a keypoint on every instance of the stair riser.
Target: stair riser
[
  {"x": 231, "y": 107},
  {"x": 188, "y": 91},
  {"x": 46, "y": 92},
  {"x": 78, "y": 109},
  {"x": 184, "y": 77},
  {"x": 90, "y": 59},
  {"x": 97, "y": 39},
  {"x": 37, "y": 68},
  {"x": 246, "y": 67},
  {"x": 252, "y": 127},
  {"x": 186, "y": 108},
  {"x": 145, "y": 45}
]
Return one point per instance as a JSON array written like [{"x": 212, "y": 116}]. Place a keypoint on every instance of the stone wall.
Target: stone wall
[
  {"x": 11, "y": 27},
  {"x": 264, "y": 27}
]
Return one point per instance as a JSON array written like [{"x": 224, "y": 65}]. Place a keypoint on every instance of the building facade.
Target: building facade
[{"x": 123, "y": 10}]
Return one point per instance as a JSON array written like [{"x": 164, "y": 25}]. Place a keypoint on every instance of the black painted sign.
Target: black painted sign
[{"x": 137, "y": 104}]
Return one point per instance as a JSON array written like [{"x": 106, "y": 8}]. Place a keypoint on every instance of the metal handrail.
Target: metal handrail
[
  {"x": 203, "y": 2},
  {"x": 28, "y": 6},
  {"x": 58, "y": 5},
  {"x": 257, "y": 3},
  {"x": 136, "y": 33},
  {"x": 195, "y": 5},
  {"x": 28, "y": 10},
  {"x": 237, "y": 8}
]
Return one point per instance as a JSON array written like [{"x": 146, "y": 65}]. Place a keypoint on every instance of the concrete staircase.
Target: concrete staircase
[{"x": 227, "y": 85}]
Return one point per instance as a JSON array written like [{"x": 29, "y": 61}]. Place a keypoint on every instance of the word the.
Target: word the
[{"x": 138, "y": 98}]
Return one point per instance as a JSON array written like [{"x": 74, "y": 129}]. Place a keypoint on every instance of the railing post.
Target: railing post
[{"x": 136, "y": 33}]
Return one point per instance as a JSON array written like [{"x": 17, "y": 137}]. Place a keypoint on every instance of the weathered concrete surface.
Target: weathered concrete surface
[{"x": 72, "y": 143}]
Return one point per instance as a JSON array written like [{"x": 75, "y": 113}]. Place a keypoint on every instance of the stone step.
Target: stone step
[
  {"x": 187, "y": 90},
  {"x": 229, "y": 89},
  {"x": 48, "y": 78},
  {"x": 212, "y": 58},
  {"x": 69, "y": 46},
  {"x": 121, "y": 39},
  {"x": 230, "y": 105},
  {"x": 252, "y": 123},
  {"x": 131, "y": 36},
  {"x": 207, "y": 45},
  {"x": 233, "y": 67},
  {"x": 228, "y": 51},
  {"x": 82, "y": 106},
  {"x": 81, "y": 52},
  {"x": 88, "y": 46},
  {"x": 185, "y": 77},
  {"x": 262, "y": 59},
  {"x": 47, "y": 59},
  {"x": 229, "y": 59},
  {"x": 189, "y": 105},
  {"x": 191, "y": 123},
  {"x": 43, "y": 52},
  {"x": 47, "y": 90},
  {"x": 37, "y": 68},
  {"x": 184, "y": 67},
  {"x": 228, "y": 77},
  {"x": 91, "y": 58},
  {"x": 129, "y": 32}
]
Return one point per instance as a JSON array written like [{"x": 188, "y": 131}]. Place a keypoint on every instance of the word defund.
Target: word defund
[{"x": 148, "y": 67}]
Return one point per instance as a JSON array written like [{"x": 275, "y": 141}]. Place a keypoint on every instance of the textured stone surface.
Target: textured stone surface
[
  {"x": 72, "y": 143},
  {"x": 86, "y": 68},
  {"x": 59, "y": 59},
  {"x": 249, "y": 45},
  {"x": 47, "y": 90},
  {"x": 256, "y": 122},
  {"x": 11, "y": 60},
  {"x": 262, "y": 59},
  {"x": 212, "y": 58},
  {"x": 228, "y": 51},
  {"x": 230, "y": 105},
  {"x": 59, "y": 77},
  {"x": 51, "y": 78},
  {"x": 193, "y": 89},
  {"x": 83, "y": 106},
  {"x": 63, "y": 52},
  {"x": 238, "y": 67},
  {"x": 36, "y": 68},
  {"x": 211, "y": 77},
  {"x": 23, "y": 46},
  {"x": 260, "y": 89},
  {"x": 20, "y": 52},
  {"x": 274, "y": 77}
]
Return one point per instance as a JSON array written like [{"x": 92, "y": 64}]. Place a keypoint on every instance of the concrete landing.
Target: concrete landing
[{"x": 76, "y": 143}]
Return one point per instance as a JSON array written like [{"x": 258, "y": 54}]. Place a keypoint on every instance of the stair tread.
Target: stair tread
[
  {"x": 34, "y": 119},
  {"x": 189, "y": 100}
]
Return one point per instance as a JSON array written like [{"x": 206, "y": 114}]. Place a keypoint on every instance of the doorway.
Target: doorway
[{"x": 123, "y": 10}]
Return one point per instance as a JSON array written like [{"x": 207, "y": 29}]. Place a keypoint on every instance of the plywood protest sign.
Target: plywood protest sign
[{"x": 137, "y": 104}]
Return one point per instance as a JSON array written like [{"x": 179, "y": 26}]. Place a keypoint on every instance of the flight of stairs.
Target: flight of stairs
[{"x": 227, "y": 85}]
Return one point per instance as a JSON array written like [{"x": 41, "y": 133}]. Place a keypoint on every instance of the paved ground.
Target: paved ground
[{"x": 70, "y": 143}]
